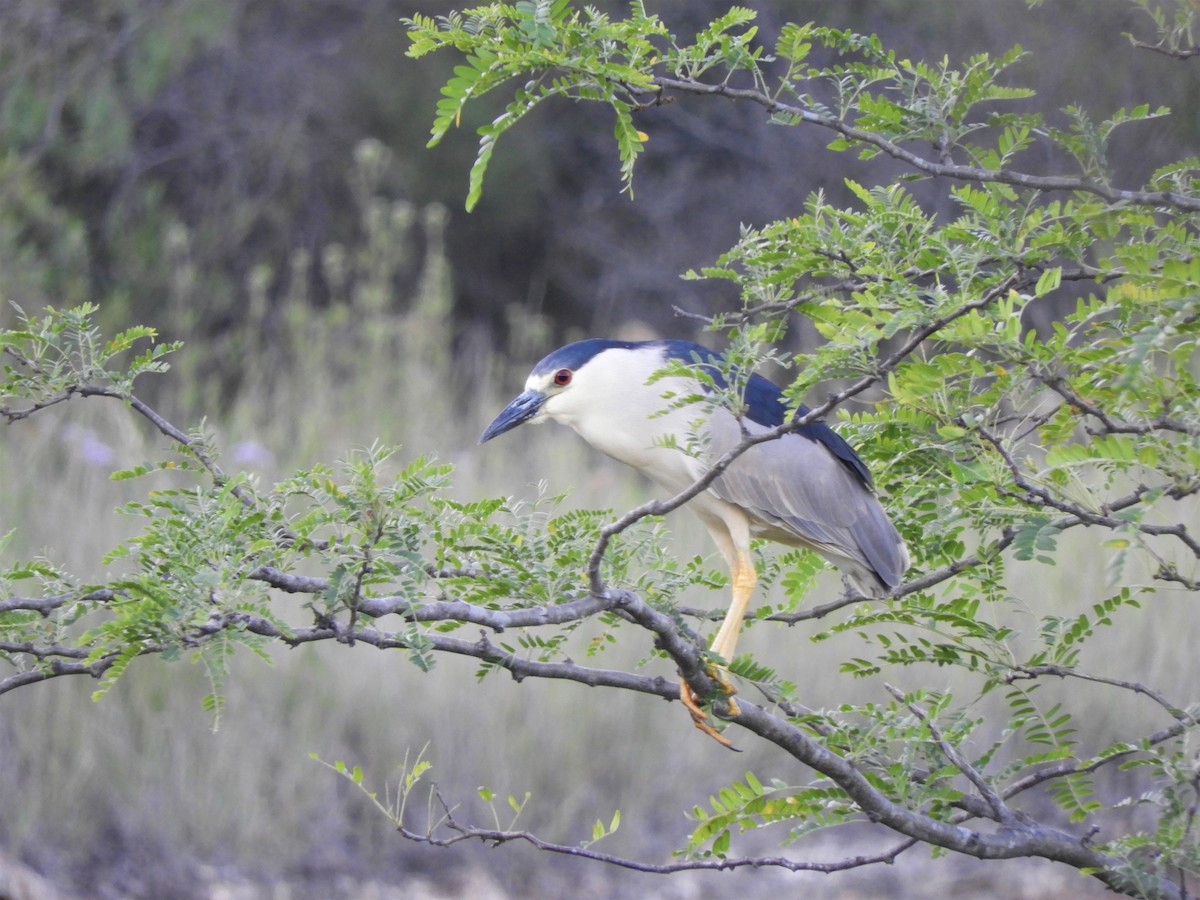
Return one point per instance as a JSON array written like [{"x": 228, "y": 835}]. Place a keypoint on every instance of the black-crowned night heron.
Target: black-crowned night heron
[{"x": 806, "y": 489}]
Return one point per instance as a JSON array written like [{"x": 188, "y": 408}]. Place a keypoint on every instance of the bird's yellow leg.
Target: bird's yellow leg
[
  {"x": 733, "y": 538},
  {"x": 744, "y": 581},
  {"x": 725, "y": 643}
]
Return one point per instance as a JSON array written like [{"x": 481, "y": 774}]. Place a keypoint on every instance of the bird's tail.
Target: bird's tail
[
  {"x": 885, "y": 557},
  {"x": 880, "y": 576}
]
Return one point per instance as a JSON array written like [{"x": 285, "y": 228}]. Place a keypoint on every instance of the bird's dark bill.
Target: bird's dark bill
[{"x": 522, "y": 409}]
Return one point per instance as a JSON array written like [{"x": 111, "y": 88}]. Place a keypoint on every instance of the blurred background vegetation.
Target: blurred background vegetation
[
  {"x": 192, "y": 165},
  {"x": 249, "y": 176}
]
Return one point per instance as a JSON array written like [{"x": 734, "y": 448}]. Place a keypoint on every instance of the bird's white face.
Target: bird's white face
[
  {"x": 611, "y": 402},
  {"x": 610, "y": 389},
  {"x": 555, "y": 387},
  {"x": 575, "y": 397}
]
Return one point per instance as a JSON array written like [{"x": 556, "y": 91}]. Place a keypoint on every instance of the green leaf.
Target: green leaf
[{"x": 1048, "y": 281}]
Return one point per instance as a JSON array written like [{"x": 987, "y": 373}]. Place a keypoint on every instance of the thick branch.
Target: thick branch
[
  {"x": 1019, "y": 838},
  {"x": 40, "y": 651},
  {"x": 46, "y": 605},
  {"x": 1022, "y": 839},
  {"x": 56, "y": 669},
  {"x": 444, "y": 610}
]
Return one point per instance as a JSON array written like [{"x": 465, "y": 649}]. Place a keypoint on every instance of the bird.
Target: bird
[{"x": 808, "y": 488}]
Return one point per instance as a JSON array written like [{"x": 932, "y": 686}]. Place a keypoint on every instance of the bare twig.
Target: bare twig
[
  {"x": 1174, "y": 710},
  {"x": 1039, "y": 496},
  {"x": 1181, "y": 53},
  {"x": 1064, "y": 389},
  {"x": 495, "y": 837},
  {"x": 1074, "y": 767},
  {"x": 1168, "y": 572}
]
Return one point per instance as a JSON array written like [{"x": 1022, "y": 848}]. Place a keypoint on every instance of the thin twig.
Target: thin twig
[
  {"x": 775, "y": 107},
  {"x": 1182, "y": 53},
  {"x": 1064, "y": 389},
  {"x": 1039, "y": 496},
  {"x": 1000, "y": 811},
  {"x": 496, "y": 837},
  {"x": 1173, "y": 709}
]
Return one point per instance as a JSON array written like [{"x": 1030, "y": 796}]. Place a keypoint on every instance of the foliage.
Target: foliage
[
  {"x": 79, "y": 83},
  {"x": 1032, "y": 362},
  {"x": 167, "y": 160},
  {"x": 538, "y": 40}
]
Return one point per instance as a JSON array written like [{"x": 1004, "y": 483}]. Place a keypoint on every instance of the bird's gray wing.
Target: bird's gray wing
[{"x": 797, "y": 488}]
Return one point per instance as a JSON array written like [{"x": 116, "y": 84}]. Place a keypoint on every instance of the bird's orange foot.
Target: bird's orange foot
[{"x": 699, "y": 717}]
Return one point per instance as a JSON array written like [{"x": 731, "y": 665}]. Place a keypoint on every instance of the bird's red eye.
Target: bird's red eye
[{"x": 562, "y": 377}]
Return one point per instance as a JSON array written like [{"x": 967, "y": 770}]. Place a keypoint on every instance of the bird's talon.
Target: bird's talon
[
  {"x": 717, "y": 674},
  {"x": 702, "y": 723},
  {"x": 700, "y": 718},
  {"x": 727, "y": 688}
]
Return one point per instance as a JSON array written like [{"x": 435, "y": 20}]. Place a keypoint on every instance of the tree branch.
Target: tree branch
[
  {"x": 1020, "y": 837},
  {"x": 1039, "y": 496},
  {"x": 1174, "y": 710},
  {"x": 1182, "y": 53},
  {"x": 1000, "y": 812},
  {"x": 1074, "y": 767},
  {"x": 497, "y": 836},
  {"x": 944, "y": 169},
  {"x": 46, "y": 605},
  {"x": 1064, "y": 389}
]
